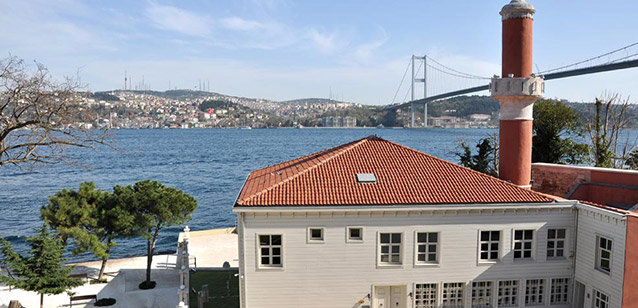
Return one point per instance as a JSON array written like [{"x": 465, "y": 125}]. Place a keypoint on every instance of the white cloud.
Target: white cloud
[
  {"x": 179, "y": 20},
  {"x": 240, "y": 24},
  {"x": 325, "y": 42}
]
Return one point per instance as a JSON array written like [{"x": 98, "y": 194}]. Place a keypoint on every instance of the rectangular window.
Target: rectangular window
[
  {"x": 601, "y": 300},
  {"x": 508, "y": 293},
  {"x": 559, "y": 292},
  {"x": 523, "y": 243},
  {"x": 556, "y": 243},
  {"x": 315, "y": 235},
  {"x": 603, "y": 254},
  {"x": 453, "y": 295},
  {"x": 482, "y": 294},
  {"x": 270, "y": 251},
  {"x": 489, "y": 245},
  {"x": 355, "y": 234},
  {"x": 427, "y": 247},
  {"x": 425, "y": 295},
  {"x": 535, "y": 292},
  {"x": 390, "y": 248}
]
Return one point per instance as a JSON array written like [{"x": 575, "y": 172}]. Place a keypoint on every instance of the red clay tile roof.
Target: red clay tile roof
[{"x": 404, "y": 176}]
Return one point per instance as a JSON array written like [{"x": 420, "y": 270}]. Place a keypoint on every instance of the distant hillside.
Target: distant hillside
[
  {"x": 104, "y": 96},
  {"x": 311, "y": 101}
]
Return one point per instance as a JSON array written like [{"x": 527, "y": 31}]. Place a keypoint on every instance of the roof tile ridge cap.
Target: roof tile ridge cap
[
  {"x": 470, "y": 170},
  {"x": 337, "y": 154}
]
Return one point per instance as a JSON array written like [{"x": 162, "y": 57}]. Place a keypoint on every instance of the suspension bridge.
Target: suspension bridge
[{"x": 440, "y": 81}]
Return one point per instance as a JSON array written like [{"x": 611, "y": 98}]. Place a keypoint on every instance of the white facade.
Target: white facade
[
  {"x": 338, "y": 272},
  {"x": 593, "y": 223}
]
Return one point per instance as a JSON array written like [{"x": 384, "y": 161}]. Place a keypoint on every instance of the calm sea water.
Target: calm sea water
[{"x": 209, "y": 164}]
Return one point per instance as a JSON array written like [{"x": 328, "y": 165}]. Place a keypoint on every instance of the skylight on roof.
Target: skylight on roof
[{"x": 366, "y": 178}]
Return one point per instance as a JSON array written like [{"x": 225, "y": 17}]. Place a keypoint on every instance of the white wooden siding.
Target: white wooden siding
[
  {"x": 592, "y": 223},
  {"x": 339, "y": 273}
]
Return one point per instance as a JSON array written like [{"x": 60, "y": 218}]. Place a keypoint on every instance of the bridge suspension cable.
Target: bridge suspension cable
[{"x": 594, "y": 58}]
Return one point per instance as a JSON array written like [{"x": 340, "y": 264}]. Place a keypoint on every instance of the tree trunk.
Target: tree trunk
[
  {"x": 104, "y": 259},
  {"x": 41, "y": 300},
  {"x": 150, "y": 245}
]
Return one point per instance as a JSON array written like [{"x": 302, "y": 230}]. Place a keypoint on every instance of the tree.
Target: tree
[
  {"x": 632, "y": 160},
  {"x": 36, "y": 114},
  {"x": 486, "y": 159},
  {"x": 42, "y": 271},
  {"x": 555, "y": 124},
  {"x": 605, "y": 128},
  {"x": 92, "y": 218},
  {"x": 155, "y": 206}
]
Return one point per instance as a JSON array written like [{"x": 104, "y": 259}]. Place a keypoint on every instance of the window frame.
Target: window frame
[
  {"x": 542, "y": 292},
  {"x": 261, "y": 266},
  {"x": 553, "y": 294},
  {"x": 595, "y": 296},
  {"x": 426, "y": 263},
  {"x": 556, "y": 240},
  {"x": 463, "y": 290},
  {"x": 500, "y": 246},
  {"x": 437, "y": 289},
  {"x": 381, "y": 264},
  {"x": 354, "y": 240},
  {"x": 498, "y": 293},
  {"x": 491, "y": 297},
  {"x": 599, "y": 249},
  {"x": 532, "y": 256},
  {"x": 311, "y": 240}
]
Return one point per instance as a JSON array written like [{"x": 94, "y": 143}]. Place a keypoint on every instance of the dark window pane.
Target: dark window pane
[
  {"x": 276, "y": 239},
  {"x": 529, "y": 234},
  {"x": 484, "y": 255},
  {"x": 560, "y": 244},
  {"x": 550, "y": 253},
  {"x": 559, "y": 253},
  {"x": 265, "y": 251},
  {"x": 264, "y": 240},
  {"x": 494, "y": 246},
  {"x": 384, "y": 258},
  {"x": 496, "y": 235},
  {"x": 484, "y": 246},
  {"x": 517, "y": 245},
  {"x": 421, "y": 258},
  {"x": 421, "y": 248},
  {"x": 395, "y": 259},
  {"x": 518, "y": 235},
  {"x": 561, "y": 233},
  {"x": 517, "y": 254},
  {"x": 385, "y": 238},
  {"x": 276, "y": 251},
  {"x": 432, "y": 248},
  {"x": 551, "y": 233},
  {"x": 604, "y": 264},
  {"x": 385, "y": 249},
  {"x": 604, "y": 254},
  {"x": 527, "y": 254},
  {"x": 395, "y": 249},
  {"x": 265, "y": 260},
  {"x": 396, "y": 237},
  {"x": 432, "y": 257},
  {"x": 485, "y": 235},
  {"x": 433, "y": 237},
  {"x": 550, "y": 244},
  {"x": 276, "y": 260},
  {"x": 494, "y": 255},
  {"x": 603, "y": 243},
  {"x": 355, "y": 233},
  {"x": 316, "y": 233},
  {"x": 527, "y": 245},
  {"x": 421, "y": 237}
]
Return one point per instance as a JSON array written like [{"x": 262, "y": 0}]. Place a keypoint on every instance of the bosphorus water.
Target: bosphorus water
[{"x": 209, "y": 164}]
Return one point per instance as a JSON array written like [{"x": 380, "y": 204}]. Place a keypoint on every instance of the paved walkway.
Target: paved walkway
[{"x": 210, "y": 247}]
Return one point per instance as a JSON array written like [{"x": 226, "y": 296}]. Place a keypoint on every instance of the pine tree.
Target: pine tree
[{"x": 42, "y": 271}]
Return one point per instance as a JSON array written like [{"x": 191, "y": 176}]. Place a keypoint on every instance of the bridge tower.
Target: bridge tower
[
  {"x": 516, "y": 91},
  {"x": 415, "y": 79}
]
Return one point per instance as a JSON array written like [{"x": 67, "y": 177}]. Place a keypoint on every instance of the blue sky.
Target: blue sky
[{"x": 285, "y": 50}]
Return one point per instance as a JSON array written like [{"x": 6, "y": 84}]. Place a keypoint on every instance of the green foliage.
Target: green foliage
[
  {"x": 92, "y": 218},
  {"x": 463, "y": 106},
  {"x": 632, "y": 160},
  {"x": 484, "y": 161},
  {"x": 42, "y": 271},
  {"x": 555, "y": 124},
  {"x": 155, "y": 206},
  {"x": 217, "y": 104}
]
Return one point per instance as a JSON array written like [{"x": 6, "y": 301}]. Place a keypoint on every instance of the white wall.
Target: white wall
[
  {"x": 339, "y": 274},
  {"x": 593, "y": 222}
]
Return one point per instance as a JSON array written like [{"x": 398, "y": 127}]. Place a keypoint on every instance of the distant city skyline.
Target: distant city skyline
[{"x": 282, "y": 50}]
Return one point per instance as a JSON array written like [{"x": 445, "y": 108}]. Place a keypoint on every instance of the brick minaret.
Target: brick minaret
[{"x": 516, "y": 93}]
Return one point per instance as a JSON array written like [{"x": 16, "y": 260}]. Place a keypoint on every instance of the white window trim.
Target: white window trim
[
  {"x": 417, "y": 263},
  {"x": 479, "y": 261},
  {"x": 309, "y": 238},
  {"x": 493, "y": 291},
  {"x": 567, "y": 249},
  {"x": 401, "y": 251},
  {"x": 593, "y": 296},
  {"x": 437, "y": 294},
  {"x": 597, "y": 253},
  {"x": 545, "y": 294},
  {"x": 350, "y": 240},
  {"x": 258, "y": 254},
  {"x": 550, "y": 286},
  {"x": 534, "y": 240},
  {"x": 520, "y": 298},
  {"x": 440, "y": 290}
]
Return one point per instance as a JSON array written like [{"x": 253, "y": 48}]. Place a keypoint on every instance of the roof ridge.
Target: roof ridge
[
  {"x": 345, "y": 149},
  {"x": 469, "y": 169}
]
